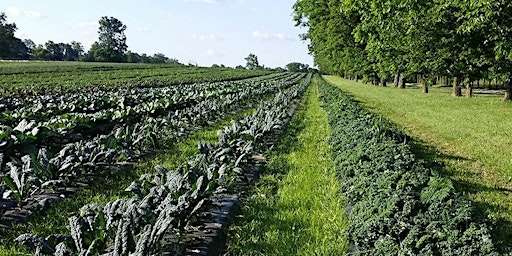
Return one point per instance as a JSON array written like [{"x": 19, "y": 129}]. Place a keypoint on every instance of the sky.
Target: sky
[{"x": 203, "y": 32}]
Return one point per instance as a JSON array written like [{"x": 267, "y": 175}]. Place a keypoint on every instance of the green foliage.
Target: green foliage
[
  {"x": 169, "y": 199},
  {"x": 397, "y": 205},
  {"x": 71, "y": 77},
  {"x": 379, "y": 39},
  {"x": 111, "y": 45},
  {"x": 252, "y": 62},
  {"x": 10, "y": 46}
]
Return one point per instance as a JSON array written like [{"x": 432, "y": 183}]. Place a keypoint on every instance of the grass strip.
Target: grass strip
[
  {"x": 471, "y": 137},
  {"x": 296, "y": 208},
  {"x": 55, "y": 219}
]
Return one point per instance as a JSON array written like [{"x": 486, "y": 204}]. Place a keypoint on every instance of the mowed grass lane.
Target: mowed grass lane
[
  {"x": 296, "y": 207},
  {"x": 472, "y": 137}
]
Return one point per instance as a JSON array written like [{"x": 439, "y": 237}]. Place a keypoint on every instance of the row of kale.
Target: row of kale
[
  {"x": 41, "y": 107},
  {"x": 26, "y": 135},
  {"x": 78, "y": 161},
  {"x": 396, "y": 204},
  {"x": 51, "y": 131},
  {"x": 165, "y": 202}
]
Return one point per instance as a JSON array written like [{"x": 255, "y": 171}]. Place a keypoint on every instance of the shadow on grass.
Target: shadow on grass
[{"x": 472, "y": 186}]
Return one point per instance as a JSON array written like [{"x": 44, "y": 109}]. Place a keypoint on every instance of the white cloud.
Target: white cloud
[
  {"x": 211, "y": 52},
  {"x": 268, "y": 36},
  {"x": 210, "y": 37},
  {"x": 15, "y": 11}
]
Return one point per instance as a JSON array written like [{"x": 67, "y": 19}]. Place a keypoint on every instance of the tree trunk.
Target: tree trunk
[
  {"x": 456, "y": 90},
  {"x": 508, "y": 92},
  {"x": 424, "y": 87},
  {"x": 396, "y": 80},
  {"x": 401, "y": 81},
  {"x": 383, "y": 82},
  {"x": 469, "y": 90},
  {"x": 357, "y": 78}
]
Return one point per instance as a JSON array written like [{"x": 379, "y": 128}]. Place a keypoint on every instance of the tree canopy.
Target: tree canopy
[
  {"x": 252, "y": 62},
  {"x": 111, "y": 45},
  {"x": 381, "y": 39},
  {"x": 10, "y": 46}
]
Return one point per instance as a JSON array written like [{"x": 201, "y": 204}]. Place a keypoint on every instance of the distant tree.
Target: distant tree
[
  {"x": 239, "y": 67},
  {"x": 144, "y": 58},
  {"x": 174, "y": 62},
  {"x": 40, "y": 53},
  {"x": 73, "y": 51},
  {"x": 30, "y": 46},
  {"x": 297, "y": 67},
  {"x": 252, "y": 62},
  {"x": 55, "y": 50},
  {"x": 215, "y": 66},
  {"x": 159, "y": 58},
  {"x": 10, "y": 46},
  {"x": 132, "y": 57},
  {"x": 111, "y": 45}
]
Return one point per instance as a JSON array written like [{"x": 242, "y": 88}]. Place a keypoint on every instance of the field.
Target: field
[
  {"x": 82, "y": 143},
  {"x": 124, "y": 159},
  {"x": 22, "y": 78}
]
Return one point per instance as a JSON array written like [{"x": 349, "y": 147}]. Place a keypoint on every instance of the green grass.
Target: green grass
[
  {"x": 55, "y": 219},
  {"x": 296, "y": 207},
  {"x": 472, "y": 137}
]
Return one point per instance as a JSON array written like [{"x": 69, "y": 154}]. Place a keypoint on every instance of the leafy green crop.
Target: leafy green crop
[
  {"x": 170, "y": 199},
  {"x": 396, "y": 204}
]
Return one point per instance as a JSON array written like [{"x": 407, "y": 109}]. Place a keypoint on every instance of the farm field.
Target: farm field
[
  {"x": 54, "y": 144},
  {"x": 471, "y": 137},
  {"x": 28, "y": 78},
  {"x": 134, "y": 169}
]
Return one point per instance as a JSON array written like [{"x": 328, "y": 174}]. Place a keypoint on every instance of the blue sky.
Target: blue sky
[{"x": 205, "y": 32}]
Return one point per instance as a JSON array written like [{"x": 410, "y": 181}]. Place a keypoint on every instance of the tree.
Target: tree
[
  {"x": 10, "y": 46},
  {"x": 73, "y": 51},
  {"x": 252, "y": 62},
  {"x": 132, "y": 57},
  {"x": 297, "y": 67},
  {"x": 40, "y": 53},
  {"x": 30, "y": 46},
  {"x": 111, "y": 45}
]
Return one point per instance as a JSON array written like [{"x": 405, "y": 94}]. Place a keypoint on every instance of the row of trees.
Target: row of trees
[
  {"x": 395, "y": 39},
  {"x": 252, "y": 63},
  {"x": 110, "y": 47}
]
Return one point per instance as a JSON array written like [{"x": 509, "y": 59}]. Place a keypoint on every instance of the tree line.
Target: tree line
[
  {"x": 396, "y": 40},
  {"x": 110, "y": 47}
]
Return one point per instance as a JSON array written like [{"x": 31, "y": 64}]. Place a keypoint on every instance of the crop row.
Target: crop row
[
  {"x": 40, "y": 121},
  {"x": 33, "y": 162},
  {"x": 166, "y": 202},
  {"x": 23, "y": 79},
  {"x": 397, "y": 205}
]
